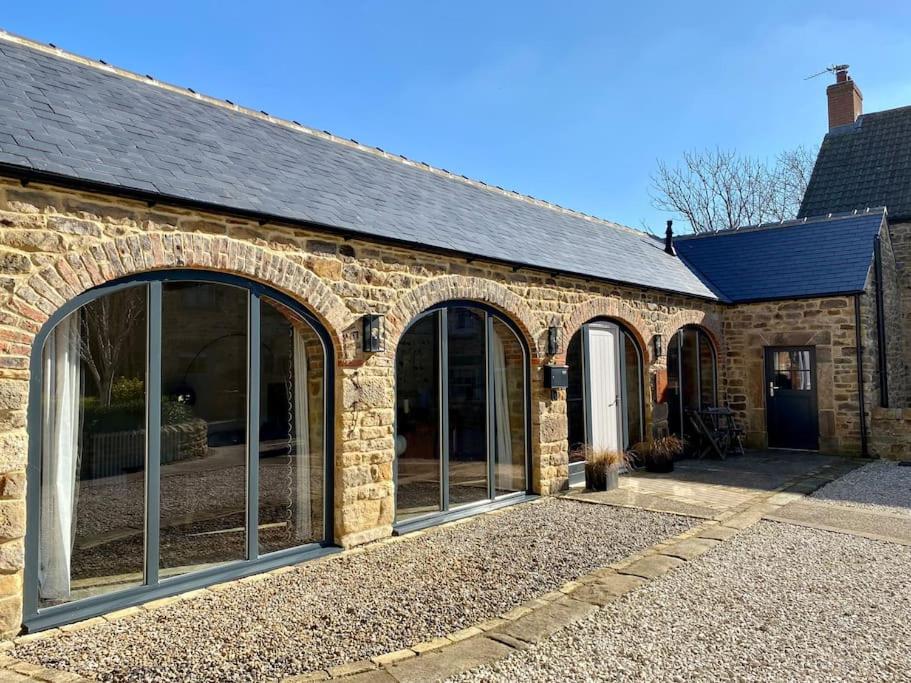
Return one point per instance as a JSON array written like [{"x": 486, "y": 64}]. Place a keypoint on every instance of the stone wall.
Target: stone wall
[
  {"x": 900, "y": 243},
  {"x": 55, "y": 244},
  {"x": 828, "y": 325}
]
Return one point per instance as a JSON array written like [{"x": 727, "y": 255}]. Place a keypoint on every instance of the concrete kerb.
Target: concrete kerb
[{"x": 536, "y": 619}]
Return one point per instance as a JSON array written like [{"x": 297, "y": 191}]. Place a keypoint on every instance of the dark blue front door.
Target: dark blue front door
[{"x": 791, "y": 403}]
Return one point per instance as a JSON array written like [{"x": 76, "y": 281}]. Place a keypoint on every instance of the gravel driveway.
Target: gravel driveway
[
  {"x": 776, "y": 603},
  {"x": 881, "y": 486},
  {"x": 360, "y": 605}
]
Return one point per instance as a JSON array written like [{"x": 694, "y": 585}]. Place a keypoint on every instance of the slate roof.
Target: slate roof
[
  {"x": 793, "y": 260},
  {"x": 78, "y": 120},
  {"x": 864, "y": 164}
]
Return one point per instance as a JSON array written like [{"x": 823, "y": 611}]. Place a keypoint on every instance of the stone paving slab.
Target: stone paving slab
[
  {"x": 844, "y": 519},
  {"x": 653, "y": 566},
  {"x": 627, "y": 497},
  {"x": 437, "y": 666},
  {"x": 690, "y": 548},
  {"x": 548, "y": 620}
]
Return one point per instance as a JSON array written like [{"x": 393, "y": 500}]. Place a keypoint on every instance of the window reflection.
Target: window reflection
[
  {"x": 204, "y": 388},
  {"x": 477, "y": 363},
  {"x": 290, "y": 433},
  {"x": 792, "y": 370},
  {"x": 93, "y": 450}
]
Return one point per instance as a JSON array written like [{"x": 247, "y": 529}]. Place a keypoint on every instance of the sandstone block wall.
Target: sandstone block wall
[
  {"x": 56, "y": 244},
  {"x": 828, "y": 325}
]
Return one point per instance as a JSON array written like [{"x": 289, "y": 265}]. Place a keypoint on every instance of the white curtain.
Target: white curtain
[
  {"x": 302, "y": 520},
  {"x": 803, "y": 367},
  {"x": 507, "y": 475},
  {"x": 59, "y": 457}
]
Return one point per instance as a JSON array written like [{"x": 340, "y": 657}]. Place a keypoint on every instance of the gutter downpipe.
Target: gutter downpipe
[
  {"x": 880, "y": 323},
  {"x": 858, "y": 345}
]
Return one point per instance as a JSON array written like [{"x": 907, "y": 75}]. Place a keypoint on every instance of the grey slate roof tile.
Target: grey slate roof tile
[
  {"x": 144, "y": 137},
  {"x": 817, "y": 257},
  {"x": 865, "y": 164}
]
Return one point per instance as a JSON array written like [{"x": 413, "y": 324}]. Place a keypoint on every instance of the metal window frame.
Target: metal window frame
[
  {"x": 677, "y": 340},
  {"x": 153, "y": 587},
  {"x": 447, "y": 512}
]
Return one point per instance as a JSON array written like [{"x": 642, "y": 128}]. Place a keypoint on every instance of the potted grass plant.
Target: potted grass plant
[
  {"x": 602, "y": 468},
  {"x": 659, "y": 455}
]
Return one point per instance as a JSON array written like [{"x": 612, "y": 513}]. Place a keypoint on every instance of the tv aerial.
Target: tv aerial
[{"x": 834, "y": 68}]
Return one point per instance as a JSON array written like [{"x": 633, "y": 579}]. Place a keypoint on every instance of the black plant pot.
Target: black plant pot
[
  {"x": 659, "y": 466},
  {"x": 601, "y": 478}
]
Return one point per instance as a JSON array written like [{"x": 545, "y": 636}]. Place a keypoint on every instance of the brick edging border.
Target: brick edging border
[{"x": 556, "y": 609}]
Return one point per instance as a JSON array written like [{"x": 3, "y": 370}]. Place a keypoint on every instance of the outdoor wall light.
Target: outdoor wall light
[
  {"x": 657, "y": 345},
  {"x": 553, "y": 340},
  {"x": 374, "y": 334}
]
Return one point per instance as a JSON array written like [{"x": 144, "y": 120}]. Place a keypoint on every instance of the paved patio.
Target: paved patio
[{"x": 708, "y": 489}]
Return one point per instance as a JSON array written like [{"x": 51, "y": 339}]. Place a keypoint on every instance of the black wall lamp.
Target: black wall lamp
[
  {"x": 374, "y": 333},
  {"x": 657, "y": 346},
  {"x": 553, "y": 340}
]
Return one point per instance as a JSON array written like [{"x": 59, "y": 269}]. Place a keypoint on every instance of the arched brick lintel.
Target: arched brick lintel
[
  {"x": 707, "y": 321},
  {"x": 605, "y": 307},
  {"x": 51, "y": 288},
  {"x": 459, "y": 287}
]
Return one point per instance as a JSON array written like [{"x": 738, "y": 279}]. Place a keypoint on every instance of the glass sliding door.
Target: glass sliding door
[
  {"x": 290, "y": 433},
  {"x": 204, "y": 375},
  {"x": 461, "y": 436},
  {"x": 691, "y": 375},
  {"x": 92, "y": 503},
  {"x": 507, "y": 386},
  {"x": 181, "y": 427},
  {"x": 417, "y": 442},
  {"x": 467, "y": 425}
]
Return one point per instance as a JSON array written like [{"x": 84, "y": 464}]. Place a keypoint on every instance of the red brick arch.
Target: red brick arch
[
  {"x": 707, "y": 321},
  {"x": 72, "y": 274},
  {"x": 454, "y": 287},
  {"x": 606, "y": 307}
]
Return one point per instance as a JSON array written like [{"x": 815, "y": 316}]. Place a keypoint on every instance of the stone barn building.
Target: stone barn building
[{"x": 231, "y": 342}]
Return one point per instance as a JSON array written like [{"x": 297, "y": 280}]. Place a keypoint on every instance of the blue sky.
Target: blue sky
[{"x": 570, "y": 102}]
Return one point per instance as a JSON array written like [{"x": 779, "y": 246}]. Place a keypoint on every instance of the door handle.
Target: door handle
[{"x": 772, "y": 389}]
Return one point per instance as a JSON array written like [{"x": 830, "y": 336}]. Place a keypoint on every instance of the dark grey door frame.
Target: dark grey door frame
[
  {"x": 441, "y": 311},
  {"x": 36, "y": 618}
]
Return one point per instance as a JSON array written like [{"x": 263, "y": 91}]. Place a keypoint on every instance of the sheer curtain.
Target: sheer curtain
[
  {"x": 59, "y": 456},
  {"x": 503, "y": 442},
  {"x": 302, "y": 520}
]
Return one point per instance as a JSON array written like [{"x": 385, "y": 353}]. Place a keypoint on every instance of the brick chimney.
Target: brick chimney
[{"x": 846, "y": 102}]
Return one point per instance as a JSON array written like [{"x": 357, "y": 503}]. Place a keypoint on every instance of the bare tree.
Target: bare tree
[
  {"x": 720, "y": 189},
  {"x": 107, "y": 324}
]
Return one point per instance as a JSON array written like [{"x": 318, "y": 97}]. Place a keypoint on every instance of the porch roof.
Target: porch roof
[{"x": 792, "y": 260}]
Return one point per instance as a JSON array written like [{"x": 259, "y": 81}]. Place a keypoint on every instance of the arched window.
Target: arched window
[
  {"x": 461, "y": 411},
  {"x": 180, "y": 437},
  {"x": 604, "y": 400},
  {"x": 691, "y": 376}
]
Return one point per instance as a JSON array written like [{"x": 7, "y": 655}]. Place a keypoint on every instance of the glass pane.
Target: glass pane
[
  {"x": 508, "y": 394},
  {"x": 417, "y": 442},
  {"x": 93, "y": 450},
  {"x": 467, "y": 406},
  {"x": 689, "y": 357},
  {"x": 204, "y": 430},
  {"x": 633, "y": 386},
  {"x": 672, "y": 392},
  {"x": 575, "y": 399},
  {"x": 291, "y": 499},
  {"x": 792, "y": 370},
  {"x": 707, "y": 371}
]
